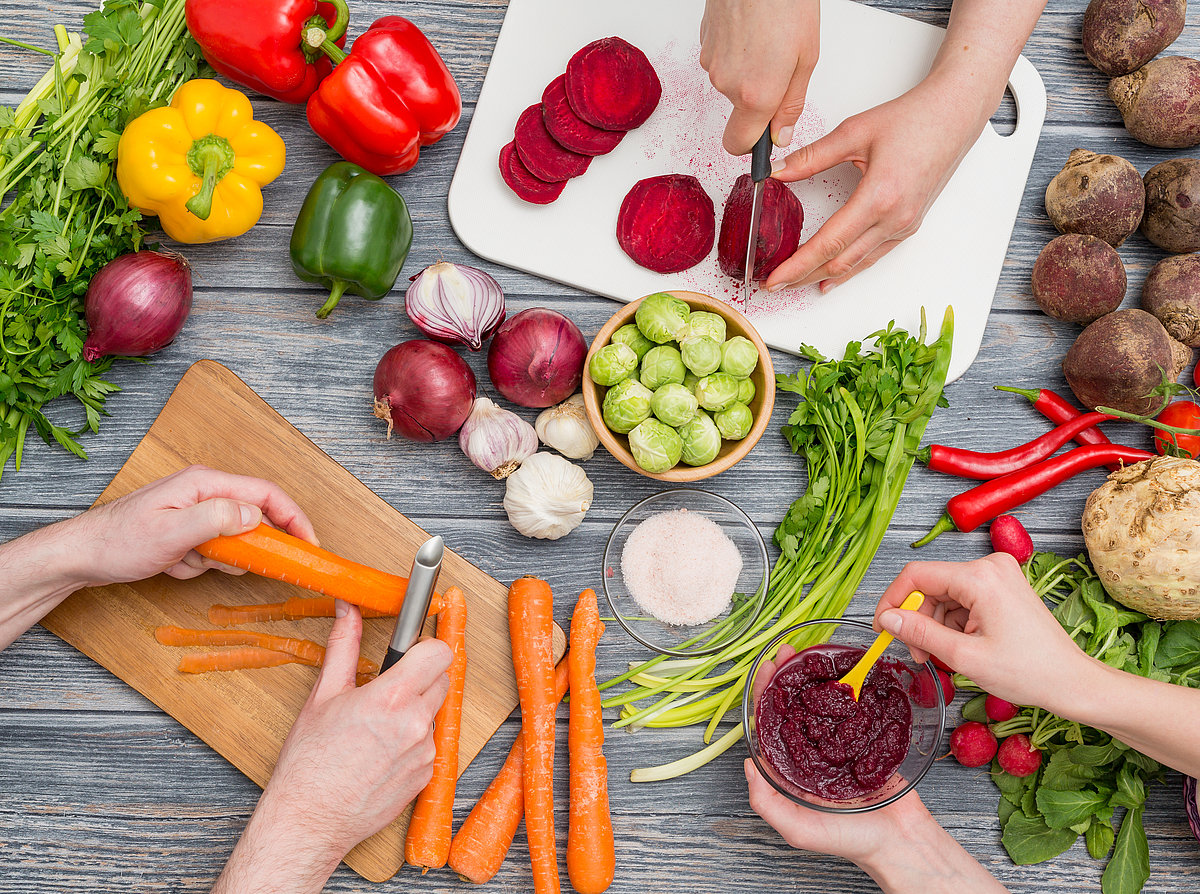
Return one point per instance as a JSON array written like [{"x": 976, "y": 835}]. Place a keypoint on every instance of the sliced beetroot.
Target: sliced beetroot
[
  {"x": 667, "y": 223},
  {"x": 523, "y": 183},
  {"x": 779, "y": 226},
  {"x": 543, "y": 155},
  {"x": 571, "y": 131},
  {"x": 610, "y": 83}
]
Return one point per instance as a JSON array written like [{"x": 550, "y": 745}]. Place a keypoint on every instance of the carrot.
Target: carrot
[
  {"x": 487, "y": 833},
  {"x": 429, "y": 829},
  {"x": 305, "y": 651},
  {"x": 234, "y": 659},
  {"x": 280, "y": 556},
  {"x": 530, "y": 626},
  {"x": 591, "y": 859},
  {"x": 294, "y": 608}
]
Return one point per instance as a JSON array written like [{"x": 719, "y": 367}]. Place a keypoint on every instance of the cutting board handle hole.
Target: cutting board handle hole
[{"x": 1005, "y": 118}]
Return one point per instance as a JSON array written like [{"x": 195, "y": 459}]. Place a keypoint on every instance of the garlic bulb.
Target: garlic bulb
[
  {"x": 566, "y": 428},
  {"x": 547, "y": 497},
  {"x": 496, "y": 439}
]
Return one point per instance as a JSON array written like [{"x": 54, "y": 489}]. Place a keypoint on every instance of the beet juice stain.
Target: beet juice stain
[{"x": 816, "y": 736}]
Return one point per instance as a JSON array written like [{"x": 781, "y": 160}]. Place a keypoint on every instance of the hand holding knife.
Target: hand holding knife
[{"x": 760, "y": 170}]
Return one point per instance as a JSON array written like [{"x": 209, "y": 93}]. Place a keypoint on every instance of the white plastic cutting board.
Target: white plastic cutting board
[{"x": 868, "y": 56}]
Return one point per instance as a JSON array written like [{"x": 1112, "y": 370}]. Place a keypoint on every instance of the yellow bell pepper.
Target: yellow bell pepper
[{"x": 199, "y": 163}]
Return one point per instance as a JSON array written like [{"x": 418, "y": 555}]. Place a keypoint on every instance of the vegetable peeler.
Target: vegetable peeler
[
  {"x": 760, "y": 169},
  {"x": 427, "y": 565}
]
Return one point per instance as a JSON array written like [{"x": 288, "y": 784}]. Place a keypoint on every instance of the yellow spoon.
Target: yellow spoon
[{"x": 856, "y": 675}]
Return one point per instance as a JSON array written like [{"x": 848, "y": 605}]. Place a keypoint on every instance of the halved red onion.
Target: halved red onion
[{"x": 455, "y": 304}]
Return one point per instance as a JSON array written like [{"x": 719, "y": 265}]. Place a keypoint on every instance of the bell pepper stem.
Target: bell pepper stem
[
  {"x": 944, "y": 524},
  {"x": 335, "y": 295},
  {"x": 318, "y": 36},
  {"x": 210, "y": 158},
  {"x": 340, "y": 21}
]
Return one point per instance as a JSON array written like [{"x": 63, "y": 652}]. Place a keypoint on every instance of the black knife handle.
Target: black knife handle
[
  {"x": 760, "y": 157},
  {"x": 390, "y": 658}
]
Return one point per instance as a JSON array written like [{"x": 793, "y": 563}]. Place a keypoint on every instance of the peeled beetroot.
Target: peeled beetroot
[
  {"x": 667, "y": 223},
  {"x": 545, "y": 158},
  {"x": 779, "y": 226},
  {"x": 523, "y": 183},
  {"x": 575, "y": 134},
  {"x": 610, "y": 83}
]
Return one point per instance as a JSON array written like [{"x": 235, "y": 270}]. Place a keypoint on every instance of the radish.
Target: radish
[
  {"x": 1009, "y": 536},
  {"x": 922, "y": 692},
  {"x": 998, "y": 709},
  {"x": 1017, "y": 756},
  {"x": 973, "y": 744}
]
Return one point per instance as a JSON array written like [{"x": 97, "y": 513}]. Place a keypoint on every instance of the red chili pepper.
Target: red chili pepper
[
  {"x": 982, "y": 503},
  {"x": 982, "y": 466},
  {"x": 1058, "y": 410},
  {"x": 391, "y": 95},
  {"x": 278, "y": 47}
]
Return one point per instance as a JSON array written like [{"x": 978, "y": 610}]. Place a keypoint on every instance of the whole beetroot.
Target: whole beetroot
[
  {"x": 1120, "y": 36},
  {"x": 1172, "y": 218},
  {"x": 1101, "y": 195},
  {"x": 1118, "y": 360},
  {"x": 1078, "y": 278},
  {"x": 1172, "y": 293},
  {"x": 1160, "y": 102}
]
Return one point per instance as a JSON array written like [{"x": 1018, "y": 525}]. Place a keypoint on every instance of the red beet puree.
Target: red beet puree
[{"x": 816, "y": 736}]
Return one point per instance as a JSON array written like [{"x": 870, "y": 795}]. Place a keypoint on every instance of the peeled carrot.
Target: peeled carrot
[
  {"x": 280, "y": 556},
  {"x": 305, "y": 651},
  {"x": 486, "y": 834},
  {"x": 234, "y": 659},
  {"x": 292, "y": 609},
  {"x": 429, "y": 829},
  {"x": 530, "y": 627},
  {"x": 591, "y": 857}
]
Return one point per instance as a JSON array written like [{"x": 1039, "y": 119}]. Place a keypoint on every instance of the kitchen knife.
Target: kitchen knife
[
  {"x": 760, "y": 169},
  {"x": 427, "y": 565}
]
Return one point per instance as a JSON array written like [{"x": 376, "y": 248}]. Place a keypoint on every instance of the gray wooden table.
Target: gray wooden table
[{"x": 101, "y": 791}]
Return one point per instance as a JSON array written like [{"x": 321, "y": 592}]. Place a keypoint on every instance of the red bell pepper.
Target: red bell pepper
[
  {"x": 280, "y": 48},
  {"x": 391, "y": 95}
]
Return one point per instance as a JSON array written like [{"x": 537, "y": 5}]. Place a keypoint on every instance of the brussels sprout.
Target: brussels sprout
[
  {"x": 745, "y": 391},
  {"x": 701, "y": 354},
  {"x": 717, "y": 391},
  {"x": 629, "y": 334},
  {"x": 655, "y": 447},
  {"x": 662, "y": 365},
  {"x": 734, "y": 421},
  {"x": 674, "y": 404},
  {"x": 626, "y": 404},
  {"x": 702, "y": 322},
  {"x": 662, "y": 318},
  {"x": 690, "y": 380},
  {"x": 612, "y": 363},
  {"x": 739, "y": 357},
  {"x": 701, "y": 440}
]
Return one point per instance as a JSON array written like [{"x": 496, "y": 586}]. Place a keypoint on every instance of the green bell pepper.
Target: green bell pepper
[{"x": 352, "y": 234}]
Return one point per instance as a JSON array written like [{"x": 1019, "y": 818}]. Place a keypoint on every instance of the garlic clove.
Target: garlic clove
[
  {"x": 495, "y": 439},
  {"x": 566, "y": 428}
]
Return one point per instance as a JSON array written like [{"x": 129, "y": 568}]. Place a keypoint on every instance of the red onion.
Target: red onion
[
  {"x": 536, "y": 358},
  {"x": 136, "y": 304},
  {"x": 423, "y": 390},
  {"x": 455, "y": 304}
]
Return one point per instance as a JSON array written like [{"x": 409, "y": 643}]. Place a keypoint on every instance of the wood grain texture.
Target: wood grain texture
[{"x": 101, "y": 791}]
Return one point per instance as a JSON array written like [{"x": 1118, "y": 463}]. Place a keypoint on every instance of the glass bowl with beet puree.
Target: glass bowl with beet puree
[
  {"x": 685, "y": 572},
  {"x": 815, "y": 744}
]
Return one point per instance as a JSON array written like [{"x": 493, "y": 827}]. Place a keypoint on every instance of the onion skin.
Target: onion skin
[
  {"x": 136, "y": 304},
  {"x": 423, "y": 390},
  {"x": 456, "y": 304},
  {"x": 536, "y": 358}
]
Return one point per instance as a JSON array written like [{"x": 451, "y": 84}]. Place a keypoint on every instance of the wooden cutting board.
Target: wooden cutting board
[{"x": 214, "y": 418}]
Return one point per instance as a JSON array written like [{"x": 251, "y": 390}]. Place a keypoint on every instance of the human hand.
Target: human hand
[
  {"x": 761, "y": 56},
  {"x": 907, "y": 149},
  {"x": 155, "y": 528},
  {"x": 984, "y": 620}
]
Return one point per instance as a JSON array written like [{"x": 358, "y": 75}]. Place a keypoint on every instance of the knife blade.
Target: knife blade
[
  {"x": 760, "y": 169},
  {"x": 427, "y": 565}
]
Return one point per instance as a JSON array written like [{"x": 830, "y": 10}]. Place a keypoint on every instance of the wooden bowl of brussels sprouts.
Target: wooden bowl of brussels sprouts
[{"x": 678, "y": 386}]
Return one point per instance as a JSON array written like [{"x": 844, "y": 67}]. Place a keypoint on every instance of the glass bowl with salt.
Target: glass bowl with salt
[{"x": 685, "y": 572}]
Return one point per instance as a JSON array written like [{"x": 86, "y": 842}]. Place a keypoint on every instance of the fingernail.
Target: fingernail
[
  {"x": 340, "y": 608},
  {"x": 779, "y": 286},
  {"x": 891, "y": 621},
  {"x": 827, "y": 286},
  {"x": 784, "y": 138},
  {"x": 249, "y": 515},
  {"x": 777, "y": 165}
]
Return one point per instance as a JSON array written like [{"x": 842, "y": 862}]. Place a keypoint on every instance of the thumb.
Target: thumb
[
  {"x": 819, "y": 155},
  {"x": 211, "y": 518},
  {"x": 922, "y": 634},
  {"x": 340, "y": 667}
]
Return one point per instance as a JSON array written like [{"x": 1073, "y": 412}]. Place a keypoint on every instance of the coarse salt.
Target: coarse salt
[{"x": 681, "y": 567}]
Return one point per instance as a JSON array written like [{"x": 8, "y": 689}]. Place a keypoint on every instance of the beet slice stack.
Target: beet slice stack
[
  {"x": 522, "y": 182},
  {"x": 542, "y": 154},
  {"x": 569, "y": 129}
]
